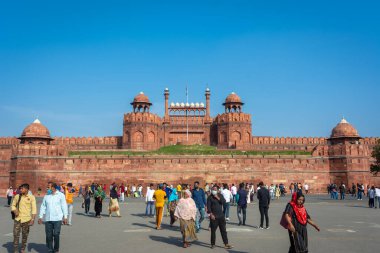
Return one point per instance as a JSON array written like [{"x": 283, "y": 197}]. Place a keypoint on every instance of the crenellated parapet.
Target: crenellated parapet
[
  {"x": 9, "y": 141},
  {"x": 87, "y": 141},
  {"x": 140, "y": 117},
  {"x": 22, "y": 150},
  {"x": 269, "y": 140}
]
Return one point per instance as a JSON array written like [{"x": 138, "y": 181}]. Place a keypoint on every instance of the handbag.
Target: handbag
[
  {"x": 284, "y": 222},
  {"x": 17, "y": 206}
]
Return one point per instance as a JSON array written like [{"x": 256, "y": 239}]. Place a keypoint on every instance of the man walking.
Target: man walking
[
  {"x": 264, "y": 201},
  {"x": 342, "y": 191},
  {"x": 234, "y": 192},
  {"x": 215, "y": 204},
  {"x": 149, "y": 210},
  {"x": 24, "y": 209},
  {"x": 199, "y": 198},
  {"x": 54, "y": 208},
  {"x": 241, "y": 199},
  {"x": 9, "y": 195},
  {"x": 69, "y": 194},
  {"x": 227, "y": 195},
  {"x": 160, "y": 197}
]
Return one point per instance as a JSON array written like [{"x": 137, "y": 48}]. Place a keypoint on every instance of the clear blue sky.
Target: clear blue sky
[{"x": 299, "y": 66}]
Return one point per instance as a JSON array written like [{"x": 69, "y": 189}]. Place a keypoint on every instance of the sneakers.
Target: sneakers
[
  {"x": 212, "y": 246},
  {"x": 227, "y": 219},
  {"x": 261, "y": 228},
  {"x": 267, "y": 227}
]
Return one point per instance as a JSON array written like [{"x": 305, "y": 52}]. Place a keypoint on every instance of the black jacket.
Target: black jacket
[
  {"x": 263, "y": 197},
  {"x": 215, "y": 206}
]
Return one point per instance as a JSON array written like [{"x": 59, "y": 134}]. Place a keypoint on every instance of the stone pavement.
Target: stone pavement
[{"x": 346, "y": 226}]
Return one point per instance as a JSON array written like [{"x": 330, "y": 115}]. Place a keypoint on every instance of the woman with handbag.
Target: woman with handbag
[{"x": 295, "y": 219}]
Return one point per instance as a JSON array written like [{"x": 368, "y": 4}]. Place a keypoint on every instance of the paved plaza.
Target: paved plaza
[{"x": 346, "y": 226}]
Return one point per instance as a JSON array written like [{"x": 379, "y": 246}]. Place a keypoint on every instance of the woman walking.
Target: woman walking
[
  {"x": 99, "y": 197},
  {"x": 173, "y": 198},
  {"x": 186, "y": 211},
  {"x": 114, "y": 202},
  {"x": 86, "y": 193},
  {"x": 297, "y": 219}
]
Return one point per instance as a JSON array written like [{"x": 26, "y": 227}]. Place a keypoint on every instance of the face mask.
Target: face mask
[
  {"x": 49, "y": 192},
  {"x": 214, "y": 192}
]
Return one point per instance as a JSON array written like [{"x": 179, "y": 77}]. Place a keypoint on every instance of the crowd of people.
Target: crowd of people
[
  {"x": 357, "y": 191},
  {"x": 189, "y": 204}
]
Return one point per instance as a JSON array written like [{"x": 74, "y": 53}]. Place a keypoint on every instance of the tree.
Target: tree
[{"x": 375, "y": 167}]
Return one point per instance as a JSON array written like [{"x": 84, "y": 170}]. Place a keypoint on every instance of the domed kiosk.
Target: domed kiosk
[{"x": 35, "y": 133}]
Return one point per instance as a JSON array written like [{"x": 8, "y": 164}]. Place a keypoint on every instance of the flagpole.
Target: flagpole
[{"x": 187, "y": 121}]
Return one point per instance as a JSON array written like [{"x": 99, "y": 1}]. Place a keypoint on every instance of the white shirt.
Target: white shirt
[
  {"x": 140, "y": 188},
  {"x": 271, "y": 189},
  {"x": 377, "y": 192},
  {"x": 10, "y": 193},
  {"x": 54, "y": 207},
  {"x": 149, "y": 195},
  {"x": 306, "y": 187},
  {"x": 227, "y": 195},
  {"x": 133, "y": 188},
  {"x": 234, "y": 190}
]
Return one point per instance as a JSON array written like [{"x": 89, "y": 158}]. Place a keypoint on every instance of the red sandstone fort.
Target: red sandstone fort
[{"x": 36, "y": 158}]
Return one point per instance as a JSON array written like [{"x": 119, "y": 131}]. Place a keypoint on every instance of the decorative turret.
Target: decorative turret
[
  {"x": 35, "y": 133},
  {"x": 233, "y": 103},
  {"x": 141, "y": 103},
  {"x": 343, "y": 132}
]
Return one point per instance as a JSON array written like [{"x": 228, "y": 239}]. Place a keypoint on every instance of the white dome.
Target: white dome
[
  {"x": 177, "y": 104},
  {"x": 187, "y": 104},
  {"x": 182, "y": 104},
  {"x": 197, "y": 104},
  {"x": 192, "y": 105},
  {"x": 202, "y": 105},
  {"x": 172, "y": 104}
]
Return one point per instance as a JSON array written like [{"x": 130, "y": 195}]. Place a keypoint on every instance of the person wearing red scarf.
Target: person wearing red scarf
[{"x": 298, "y": 218}]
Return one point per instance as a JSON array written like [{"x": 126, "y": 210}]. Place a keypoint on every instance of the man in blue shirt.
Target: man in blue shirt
[
  {"x": 199, "y": 198},
  {"x": 54, "y": 208},
  {"x": 168, "y": 191}
]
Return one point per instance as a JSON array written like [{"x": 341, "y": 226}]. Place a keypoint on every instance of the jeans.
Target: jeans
[
  {"x": 226, "y": 209},
  {"x": 371, "y": 202},
  {"x": 234, "y": 199},
  {"x": 221, "y": 223},
  {"x": 377, "y": 201},
  {"x": 264, "y": 213},
  {"x": 87, "y": 205},
  {"x": 242, "y": 214},
  {"x": 335, "y": 195},
  {"x": 342, "y": 195},
  {"x": 70, "y": 212},
  {"x": 52, "y": 230},
  {"x": 199, "y": 218},
  {"x": 149, "y": 211},
  {"x": 9, "y": 200},
  {"x": 360, "y": 196},
  {"x": 272, "y": 195}
]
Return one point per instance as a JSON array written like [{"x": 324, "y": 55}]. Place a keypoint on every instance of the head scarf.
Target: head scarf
[
  {"x": 100, "y": 193},
  {"x": 186, "y": 208},
  {"x": 173, "y": 196},
  {"x": 300, "y": 211},
  {"x": 188, "y": 192}
]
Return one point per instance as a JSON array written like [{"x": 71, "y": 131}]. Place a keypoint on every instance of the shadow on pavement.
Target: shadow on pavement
[
  {"x": 37, "y": 247},
  {"x": 175, "y": 241}
]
